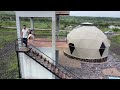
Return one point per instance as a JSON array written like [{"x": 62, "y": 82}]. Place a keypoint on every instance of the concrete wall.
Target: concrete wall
[
  {"x": 45, "y": 52},
  {"x": 35, "y": 13},
  {"x": 30, "y": 69}
]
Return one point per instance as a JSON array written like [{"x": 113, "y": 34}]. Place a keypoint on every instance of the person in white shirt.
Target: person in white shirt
[{"x": 25, "y": 33}]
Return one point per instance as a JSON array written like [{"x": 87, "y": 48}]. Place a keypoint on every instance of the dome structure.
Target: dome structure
[{"x": 87, "y": 43}]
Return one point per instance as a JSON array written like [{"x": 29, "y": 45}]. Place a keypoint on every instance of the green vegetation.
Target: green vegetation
[
  {"x": 116, "y": 39},
  {"x": 6, "y": 36},
  {"x": 8, "y": 59},
  {"x": 116, "y": 29},
  {"x": 8, "y": 23},
  {"x": 8, "y": 65},
  {"x": 7, "y": 13},
  {"x": 104, "y": 29},
  {"x": 45, "y": 23}
]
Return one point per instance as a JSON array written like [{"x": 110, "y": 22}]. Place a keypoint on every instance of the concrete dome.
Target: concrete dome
[{"x": 87, "y": 43}]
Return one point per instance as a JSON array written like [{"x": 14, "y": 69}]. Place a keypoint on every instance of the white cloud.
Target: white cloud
[{"x": 96, "y": 13}]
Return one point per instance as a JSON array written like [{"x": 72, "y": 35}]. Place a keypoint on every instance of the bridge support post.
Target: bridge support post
[
  {"x": 18, "y": 24},
  {"x": 57, "y": 24},
  {"x": 54, "y": 39},
  {"x": 32, "y": 23}
]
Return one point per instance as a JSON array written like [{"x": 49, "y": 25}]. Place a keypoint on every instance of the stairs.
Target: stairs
[
  {"x": 34, "y": 53},
  {"x": 48, "y": 65}
]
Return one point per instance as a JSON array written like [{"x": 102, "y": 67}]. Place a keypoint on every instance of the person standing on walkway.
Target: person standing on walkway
[
  {"x": 31, "y": 37},
  {"x": 25, "y": 33}
]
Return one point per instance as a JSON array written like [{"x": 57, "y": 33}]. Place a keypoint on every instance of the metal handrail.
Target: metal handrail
[
  {"x": 42, "y": 65},
  {"x": 49, "y": 58},
  {"x": 54, "y": 61}
]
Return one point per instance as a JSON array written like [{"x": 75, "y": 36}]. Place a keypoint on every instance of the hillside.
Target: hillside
[{"x": 7, "y": 12}]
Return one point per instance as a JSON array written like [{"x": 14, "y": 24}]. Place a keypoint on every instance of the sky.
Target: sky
[{"x": 96, "y": 13}]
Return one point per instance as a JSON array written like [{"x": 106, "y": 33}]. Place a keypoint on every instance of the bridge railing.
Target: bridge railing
[{"x": 18, "y": 46}]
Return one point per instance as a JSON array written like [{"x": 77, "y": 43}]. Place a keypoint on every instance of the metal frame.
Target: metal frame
[{"x": 30, "y": 14}]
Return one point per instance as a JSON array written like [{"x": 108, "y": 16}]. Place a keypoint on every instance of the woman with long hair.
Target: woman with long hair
[{"x": 30, "y": 37}]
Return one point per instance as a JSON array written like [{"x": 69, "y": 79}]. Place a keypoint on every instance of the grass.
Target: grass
[
  {"x": 7, "y": 12},
  {"x": 6, "y": 36},
  {"x": 104, "y": 29},
  {"x": 48, "y": 33},
  {"x": 8, "y": 23},
  {"x": 116, "y": 39},
  {"x": 43, "y": 31},
  {"x": 8, "y": 65},
  {"x": 11, "y": 69},
  {"x": 43, "y": 25}
]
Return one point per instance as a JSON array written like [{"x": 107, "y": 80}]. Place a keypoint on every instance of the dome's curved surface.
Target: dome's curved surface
[{"x": 87, "y": 42}]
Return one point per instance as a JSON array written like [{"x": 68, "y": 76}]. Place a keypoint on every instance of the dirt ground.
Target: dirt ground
[{"x": 65, "y": 61}]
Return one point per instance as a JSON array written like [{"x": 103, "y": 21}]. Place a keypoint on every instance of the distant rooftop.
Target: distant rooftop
[
  {"x": 62, "y": 12},
  {"x": 87, "y": 23}
]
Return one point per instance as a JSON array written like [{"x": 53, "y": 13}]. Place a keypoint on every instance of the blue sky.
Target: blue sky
[{"x": 96, "y": 13}]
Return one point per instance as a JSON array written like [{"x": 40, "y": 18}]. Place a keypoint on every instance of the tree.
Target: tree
[{"x": 116, "y": 29}]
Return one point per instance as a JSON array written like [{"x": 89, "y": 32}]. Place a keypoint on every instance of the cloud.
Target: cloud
[{"x": 96, "y": 13}]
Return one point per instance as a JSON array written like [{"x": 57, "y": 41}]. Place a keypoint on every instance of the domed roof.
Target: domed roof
[
  {"x": 87, "y": 42},
  {"x": 90, "y": 33}
]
